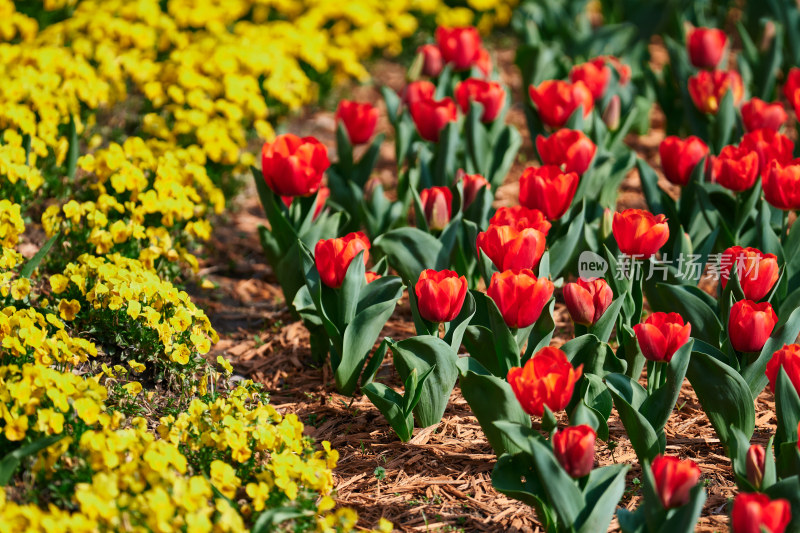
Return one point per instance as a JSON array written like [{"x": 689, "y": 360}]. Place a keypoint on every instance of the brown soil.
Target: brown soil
[{"x": 441, "y": 480}]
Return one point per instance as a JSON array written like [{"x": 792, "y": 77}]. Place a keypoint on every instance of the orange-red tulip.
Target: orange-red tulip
[
  {"x": 489, "y": 94},
  {"x": 359, "y": 120},
  {"x": 510, "y": 249},
  {"x": 735, "y": 168},
  {"x": 547, "y": 379},
  {"x": 431, "y": 116},
  {"x": 333, "y": 256},
  {"x": 519, "y": 296},
  {"x": 781, "y": 185},
  {"x": 293, "y": 166},
  {"x": 674, "y": 479},
  {"x": 484, "y": 62},
  {"x": 521, "y": 217},
  {"x": 661, "y": 335},
  {"x": 679, "y": 157},
  {"x": 459, "y": 46},
  {"x": 432, "y": 61},
  {"x": 758, "y": 114},
  {"x": 573, "y": 447},
  {"x": 754, "y": 512},
  {"x": 757, "y": 271},
  {"x": 787, "y": 358},
  {"x": 437, "y": 202},
  {"x": 706, "y": 46},
  {"x": 557, "y": 100},
  {"x": 371, "y": 276},
  {"x": 595, "y": 74},
  {"x": 640, "y": 233},
  {"x": 440, "y": 295},
  {"x": 548, "y": 189},
  {"x": 571, "y": 150},
  {"x": 769, "y": 145},
  {"x": 708, "y": 88},
  {"x": 587, "y": 300},
  {"x": 750, "y": 325}
]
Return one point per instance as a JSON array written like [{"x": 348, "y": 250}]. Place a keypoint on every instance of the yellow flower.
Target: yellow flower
[
  {"x": 133, "y": 388},
  {"x": 68, "y": 309},
  {"x": 223, "y": 476}
]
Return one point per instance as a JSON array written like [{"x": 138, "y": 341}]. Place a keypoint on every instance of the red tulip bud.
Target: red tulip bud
[
  {"x": 417, "y": 91},
  {"x": 438, "y": 205},
  {"x": 431, "y": 116},
  {"x": 612, "y": 113},
  {"x": 432, "y": 60},
  {"x": 440, "y": 295},
  {"x": 595, "y": 74},
  {"x": 587, "y": 300},
  {"x": 674, "y": 479},
  {"x": 573, "y": 446},
  {"x": 473, "y": 183},
  {"x": 750, "y": 325},
  {"x": 510, "y": 249},
  {"x": 755, "y": 461},
  {"x": 706, "y": 46},
  {"x": 557, "y": 100},
  {"x": 459, "y": 46},
  {"x": 781, "y": 185},
  {"x": 679, "y": 157}
]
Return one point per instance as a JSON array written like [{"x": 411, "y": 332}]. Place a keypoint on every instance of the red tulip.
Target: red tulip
[
  {"x": 781, "y": 185},
  {"x": 547, "y": 379},
  {"x": 333, "y": 257},
  {"x": 790, "y": 90},
  {"x": 757, "y": 271},
  {"x": 489, "y": 94},
  {"x": 750, "y": 325},
  {"x": 459, "y": 46},
  {"x": 440, "y": 295},
  {"x": 758, "y": 114},
  {"x": 359, "y": 120},
  {"x": 371, "y": 276},
  {"x": 755, "y": 463},
  {"x": 674, "y": 479},
  {"x": 570, "y": 149},
  {"x": 437, "y": 203},
  {"x": 754, "y": 512},
  {"x": 595, "y": 74},
  {"x": 484, "y": 62},
  {"x": 432, "y": 61},
  {"x": 787, "y": 358},
  {"x": 661, "y": 335},
  {"x": 708, "y": 88},
  {"x": 679, "y": 157},
  {"x": 548, "y": 189},
  {"x": 293, "y": 166},
  {"x": 587, "y": 300},
  {"x": 519, "y": 296},
  {"x": 431, "y": 116},
  {"x": 623, "y": 70},
  {"x": 735, "y": 168},
  {"x": 770, "y": 146},
  {"x": 473, "y": 183},
  {"x": 706, "y": 46},
  {"x": 573, "y": 447},
  {"x": 521, "y": 217},
  {"x": 417, "y": 91},
  {"x": 640, "y": 233},
  {"x": 557, "y": 100},
  {"x": 511, "y": 249},
  {"x": 611, "y": 113}
]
